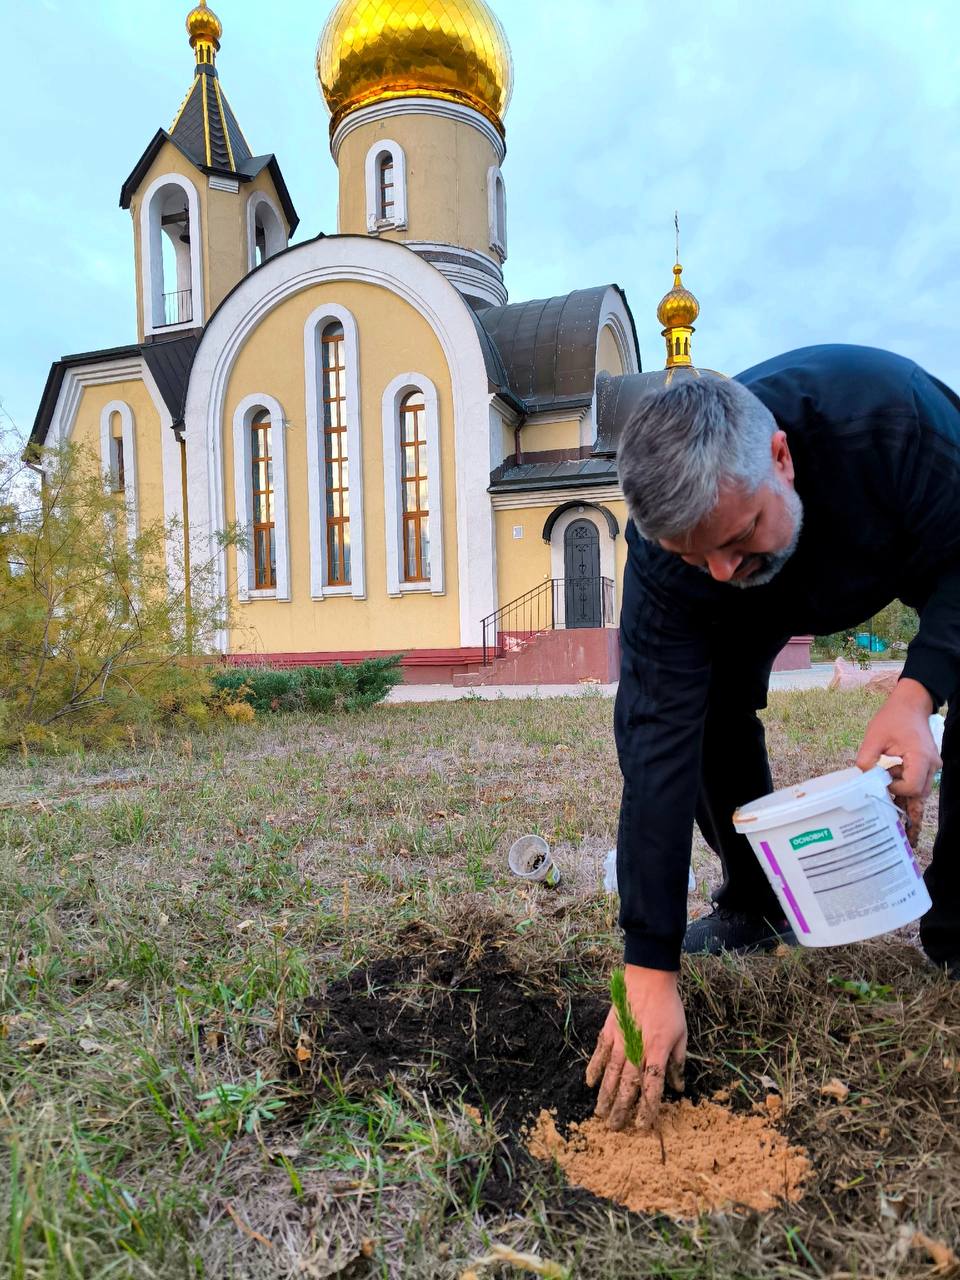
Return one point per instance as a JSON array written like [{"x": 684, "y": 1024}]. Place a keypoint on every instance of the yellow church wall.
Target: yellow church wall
[
  {"x": 393, "y": 339},
  {"x": 440, "y": 208},
  {"x": 147, "y": 428},
  {"x": 538, "y": 434},
  {"x": 608, "y": 354},
  {"x": 525, "y": 562}
]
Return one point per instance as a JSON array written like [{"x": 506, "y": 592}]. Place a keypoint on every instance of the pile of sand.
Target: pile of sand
[{"x": 714, "y": 1159}]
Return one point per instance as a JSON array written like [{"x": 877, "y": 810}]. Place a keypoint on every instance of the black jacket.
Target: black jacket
[{"x": 876, "y": 445}]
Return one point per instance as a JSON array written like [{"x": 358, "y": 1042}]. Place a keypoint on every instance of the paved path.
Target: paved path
[{"x": 818, "y": 677}]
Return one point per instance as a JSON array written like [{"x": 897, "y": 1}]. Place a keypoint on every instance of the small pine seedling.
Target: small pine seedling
[{"x": 632, "y": 1035}]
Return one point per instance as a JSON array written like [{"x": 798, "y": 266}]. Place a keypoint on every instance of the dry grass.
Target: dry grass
[{"x": 164, "y": 909}]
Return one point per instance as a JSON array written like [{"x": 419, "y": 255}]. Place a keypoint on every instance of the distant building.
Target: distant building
[{"x": 409, "y": 453}]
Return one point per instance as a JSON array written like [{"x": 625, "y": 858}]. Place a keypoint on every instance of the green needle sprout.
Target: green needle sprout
[{"x": 632, "y": 1035}]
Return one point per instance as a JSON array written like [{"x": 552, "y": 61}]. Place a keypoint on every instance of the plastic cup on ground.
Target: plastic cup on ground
[{"x": 530, "y": 859}]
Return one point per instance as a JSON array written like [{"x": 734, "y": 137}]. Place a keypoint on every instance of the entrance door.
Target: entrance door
[{"x": 581, "y": 570}]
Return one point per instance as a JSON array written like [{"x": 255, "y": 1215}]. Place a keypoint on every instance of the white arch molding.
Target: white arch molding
[
  {"x": 608, "y": 561},
  {"x": 390, "y": 266},
  {"x": 273, "y": 226},
  {"x": 128, "y": 437},
  {"x": 317, "y": 321},
  {"x": 497, "y": 210},
  {"x": 393, "y": 397},
  {"x": 243, "y": 417},
  {"x": 151, "y": 255}
]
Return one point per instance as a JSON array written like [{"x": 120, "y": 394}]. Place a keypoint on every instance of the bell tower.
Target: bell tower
[
  {"x": 205, "y": 210},
  {"x": 418, "y": 91}
]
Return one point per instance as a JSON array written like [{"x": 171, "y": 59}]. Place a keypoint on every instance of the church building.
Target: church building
[{"x": 418, "y": 463}]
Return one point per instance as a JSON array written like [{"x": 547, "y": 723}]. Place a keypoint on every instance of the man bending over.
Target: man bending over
[{"x": 801, "y": 497}]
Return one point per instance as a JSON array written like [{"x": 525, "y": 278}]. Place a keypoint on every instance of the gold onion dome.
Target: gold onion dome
[
  {"x": 203, "y": 25},
  {"x": 679, "y": 309},
  {"x": 378, "y": 50}
]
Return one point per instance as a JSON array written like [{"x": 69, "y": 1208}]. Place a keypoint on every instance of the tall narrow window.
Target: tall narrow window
[
  {"x": 264, "y": 519},
  {"x": 336, "y": 460},
  {"x": 120, "y": 477},
  {"x": 415, "y": 488},
  {"x": 386, "y": 199}
]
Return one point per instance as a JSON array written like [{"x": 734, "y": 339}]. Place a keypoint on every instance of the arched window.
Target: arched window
[
  {"x": 336, "y": 455},
  {"x": 266, "y": 234},
  {"x": 260, "y": 491},
  {"x": 385, "y": 198},
  {"x": 497, "y": 201},
  {"x": 676, "y": 346},
  {"x": 170, "y": 240},
  {"x": 262, "y": 504},
  {"x": 415, "y": 488},
  {"x": 118, "y": 457},
  {"x": 686, "y": 346},
  {"x": 413, "y": 506},
  {"x": 386, "y": 181}
]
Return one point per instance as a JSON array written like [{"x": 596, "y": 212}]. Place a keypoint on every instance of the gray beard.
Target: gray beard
[{"x": 771, "y": 562}]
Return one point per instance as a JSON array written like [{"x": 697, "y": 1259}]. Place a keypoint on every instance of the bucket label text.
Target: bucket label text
[{"x": 811, "y": 837}]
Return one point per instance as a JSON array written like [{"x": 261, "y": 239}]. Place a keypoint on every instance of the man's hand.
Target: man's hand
[
  {"x": 901, "y": 728},
  {"x": 658, "y": 1011}
]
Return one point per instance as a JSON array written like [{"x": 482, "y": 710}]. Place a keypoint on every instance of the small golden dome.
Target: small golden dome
[
  {"x": 204, "y": 25},
  {"x": 378, "y": 50},
  {"x": 679, "y": 309}
]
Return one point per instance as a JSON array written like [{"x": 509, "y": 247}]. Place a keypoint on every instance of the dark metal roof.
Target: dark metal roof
[
  {"x": 170, "y": 362},
  {"x": 206, "y": 132},
  {"x": 573, "y": 474},
  {"x": 206, "y": 129},
  {"x": 619, "y": 397},
  {"x": 548, "y": 348}
]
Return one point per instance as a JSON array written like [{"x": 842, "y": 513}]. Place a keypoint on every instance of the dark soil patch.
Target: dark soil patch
[{"x": 468, "y": 1017}]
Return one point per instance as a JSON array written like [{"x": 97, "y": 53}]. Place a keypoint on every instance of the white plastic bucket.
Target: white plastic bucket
[
  {"x": 836, "y": 853},
  {"x": 529, "y": 858}
]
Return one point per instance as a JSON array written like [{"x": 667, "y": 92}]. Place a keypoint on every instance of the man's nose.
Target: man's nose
[{"x": 722, "y": 565}]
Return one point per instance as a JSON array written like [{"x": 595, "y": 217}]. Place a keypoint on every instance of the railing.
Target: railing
[
  {"x": 178, "y": 307},
  {"x": 555, "y": 605}
]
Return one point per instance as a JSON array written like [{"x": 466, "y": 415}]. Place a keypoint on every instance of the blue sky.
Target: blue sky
[{"x": 810, "y": 146}]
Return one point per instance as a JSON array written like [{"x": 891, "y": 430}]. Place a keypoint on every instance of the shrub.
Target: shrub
[
  {"x": 94, "y": 636},
  {"x": 322, "y": 690}
]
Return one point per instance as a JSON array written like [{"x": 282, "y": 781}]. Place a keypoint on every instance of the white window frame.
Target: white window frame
[
  {"x": 276, "y": 237},
  {"x": 108, "y": 459},
  {"x": 318, "y": 320},
  {"x": 393, "y": 398},
  {"x": 243, "y": 417},
  {"x": 398, "y": 222},
  {"x": 151, "y": 255},
  {"x": 498, "y": 221}
]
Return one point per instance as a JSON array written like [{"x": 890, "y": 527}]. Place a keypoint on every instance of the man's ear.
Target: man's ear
[{"x": 782, "y": 457}]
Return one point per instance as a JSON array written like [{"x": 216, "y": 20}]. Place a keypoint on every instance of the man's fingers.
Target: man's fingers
[
  {"x": 649, "y": 1109},
  {"x": 626, "y": 1099},
  {"x": 610, "y": 1085},
  {"x": 598, "y": 1063}
]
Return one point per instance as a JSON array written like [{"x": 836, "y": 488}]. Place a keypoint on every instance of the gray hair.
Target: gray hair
[{"x": 684, "y": 442}]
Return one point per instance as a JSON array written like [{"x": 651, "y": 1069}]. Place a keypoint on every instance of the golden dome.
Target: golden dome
[
  {"x": 204, "y": 25},
  {"x": 378, "y": 50},
  {"x": 679, "y": 309}
]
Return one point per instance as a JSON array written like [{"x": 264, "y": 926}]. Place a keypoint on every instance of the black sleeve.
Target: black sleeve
[
  {"x": 659, "y": 719},
  {"x": 929, "y": 501}
]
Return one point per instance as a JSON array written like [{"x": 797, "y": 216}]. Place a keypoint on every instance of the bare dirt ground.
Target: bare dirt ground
[{"x": 271, "y": 1005}]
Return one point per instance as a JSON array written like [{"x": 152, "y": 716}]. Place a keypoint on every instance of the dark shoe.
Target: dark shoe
[{"x": 724, "y": 930}]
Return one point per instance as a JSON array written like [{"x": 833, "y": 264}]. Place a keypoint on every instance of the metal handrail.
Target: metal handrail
[
  {"x": 178, "y": 307},
  {"x": 537, "y": 611}
]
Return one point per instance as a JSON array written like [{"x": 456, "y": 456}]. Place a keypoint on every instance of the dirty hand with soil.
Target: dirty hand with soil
[{"x": 658, "y": 1010}]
